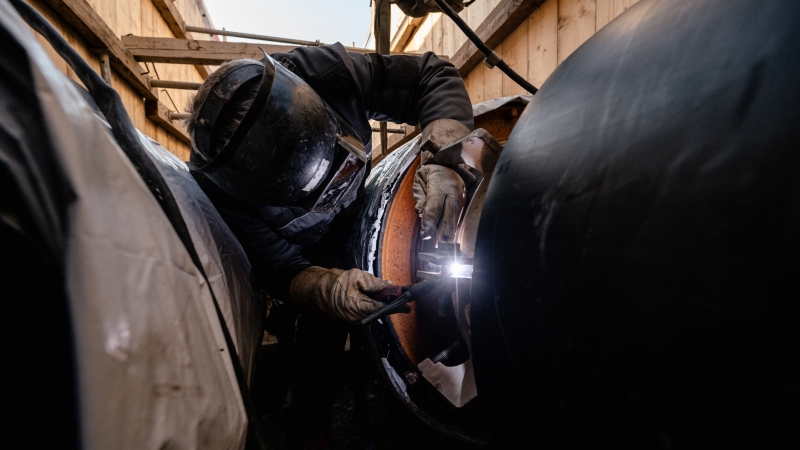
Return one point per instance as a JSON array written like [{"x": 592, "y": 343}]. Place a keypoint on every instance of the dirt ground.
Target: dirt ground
[{"x": 394, "y": 427}]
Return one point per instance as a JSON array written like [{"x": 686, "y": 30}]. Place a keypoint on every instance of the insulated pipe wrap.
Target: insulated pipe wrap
[{"x": 637, "y": 262}]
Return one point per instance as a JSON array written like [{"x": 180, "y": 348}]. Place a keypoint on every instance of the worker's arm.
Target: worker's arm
[
  {"x": 275, "y": 261},
  {"x": 416, "y": 90},
  {"x": 434, "y": 96},
  {"x": 282, "y": 271}
]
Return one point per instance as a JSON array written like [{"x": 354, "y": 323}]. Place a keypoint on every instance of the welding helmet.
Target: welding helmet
[{"x": 290, "y": 146}]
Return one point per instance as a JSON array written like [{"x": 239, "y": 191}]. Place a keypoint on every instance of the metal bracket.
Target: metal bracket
[{"x": 492, "y": 60}]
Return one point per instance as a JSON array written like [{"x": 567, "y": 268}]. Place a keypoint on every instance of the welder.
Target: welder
[{"x": 282, "y": 147}]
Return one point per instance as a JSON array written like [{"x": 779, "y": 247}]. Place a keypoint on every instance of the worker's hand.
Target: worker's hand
[
  {"x": 341, "y": 294},
  {"x": 440, "y": 133},
  {"x": 439, "y": 195},
  {"x": 439, "y": 190}
]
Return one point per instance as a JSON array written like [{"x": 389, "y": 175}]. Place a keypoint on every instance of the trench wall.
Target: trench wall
[
  {"x": 140, "y": 18},
  {"x": 534, "y": 49}
]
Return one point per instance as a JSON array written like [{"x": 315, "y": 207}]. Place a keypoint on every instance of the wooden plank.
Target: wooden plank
[
  {"x": 88, "y": 23},
  {"x": 417, "y": 42},
  {"x": 107, "y": 10},
  {"x": 169, "y": 12},
  {"x": 190, "y": 51},
  {"x": 608, "y": 10},
  {"x": 147, "y": 13},
  {"x": 476, "y": 14},
  {"x": 497, "y": 26},
  {"x": 448, "y": 38},
  {"x": 127, "y": 26},
  {"x": 408, "y": 28},
  {"x": 543, "y": 42},
  {"x": 493, "y": 78},
  {"x": 515, "y": 54},
  {"x": 436, "y": 32},
  {"x": 576, "y": 24},
  {"x": 475, "y": 84},
  {"x": 158, "y": 113},
  {"x": 427, "y": 41}
]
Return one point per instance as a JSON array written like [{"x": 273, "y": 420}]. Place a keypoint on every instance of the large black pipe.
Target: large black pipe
[{"x": 638, "y": 258}]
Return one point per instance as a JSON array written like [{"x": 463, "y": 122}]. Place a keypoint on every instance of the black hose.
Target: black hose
[
  {"x": 492, "y": 58},
  {"x": 110, "y": 104}
]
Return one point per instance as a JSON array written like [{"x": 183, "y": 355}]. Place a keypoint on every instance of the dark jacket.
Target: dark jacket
[{"x": 402, "y": 89}]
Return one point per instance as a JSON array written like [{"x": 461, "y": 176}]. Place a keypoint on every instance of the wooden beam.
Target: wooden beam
[
  {"x": 169, "y": 12},
  {"x": 158, "y": 113},
  {"x": 408, "y": 28},
  {"x": 190, "y": 51},
  {"x": 82, "y": 16},
  {"x": 497, "y": 26},
  {"x": 175, "y": 22}
]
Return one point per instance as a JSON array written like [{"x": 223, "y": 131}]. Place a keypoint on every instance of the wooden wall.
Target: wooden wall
[
  {"x": 140, "y": 18},
  {"x": 551, "y": 33}
]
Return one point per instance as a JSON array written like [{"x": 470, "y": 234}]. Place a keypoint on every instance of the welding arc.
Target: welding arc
[{"x": 492, "y": 58}]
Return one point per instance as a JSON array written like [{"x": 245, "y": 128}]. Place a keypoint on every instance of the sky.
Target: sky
[{"x": 346, "y": 21}]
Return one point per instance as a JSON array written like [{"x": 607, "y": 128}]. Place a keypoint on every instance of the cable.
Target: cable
[{"x": 492, "y": 59}]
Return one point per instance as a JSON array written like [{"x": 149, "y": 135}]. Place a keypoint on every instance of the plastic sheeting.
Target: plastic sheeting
[{"x": 153, "y": 369}]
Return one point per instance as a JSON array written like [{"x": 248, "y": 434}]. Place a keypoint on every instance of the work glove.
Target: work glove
[
  {"x": 438, "y": 190},
  {"x": 341, "y": 294},
  {"x": 439, "y": 195}
]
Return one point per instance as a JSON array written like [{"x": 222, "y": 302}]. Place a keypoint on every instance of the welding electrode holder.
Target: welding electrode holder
[{"x": 411, "y": 293}]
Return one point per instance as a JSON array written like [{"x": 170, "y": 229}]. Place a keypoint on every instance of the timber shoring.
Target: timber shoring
[
  {"x": 497, "y": 26},
  {"x": 88, "y": 23}
]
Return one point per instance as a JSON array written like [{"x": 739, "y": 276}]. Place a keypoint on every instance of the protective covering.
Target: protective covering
[
  {"x": 152, "y": 366},
  {"x": 636, "y": 271}
]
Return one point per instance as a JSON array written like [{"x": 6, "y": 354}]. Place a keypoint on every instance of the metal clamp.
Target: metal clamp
[{"x": 492, "y": 60}]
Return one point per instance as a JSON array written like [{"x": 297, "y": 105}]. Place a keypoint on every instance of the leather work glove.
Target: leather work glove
[
  {"x": 341, "y": 294},
  {"x": 438, "y": 190},
  {"x": 439, "y": 195}
]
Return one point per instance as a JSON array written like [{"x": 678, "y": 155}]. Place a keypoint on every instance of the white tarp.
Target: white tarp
[{"x": 153, "y": 367}]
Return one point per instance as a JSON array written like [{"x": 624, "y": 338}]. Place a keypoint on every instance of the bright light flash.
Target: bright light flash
[{"x": 461, "y": 270}]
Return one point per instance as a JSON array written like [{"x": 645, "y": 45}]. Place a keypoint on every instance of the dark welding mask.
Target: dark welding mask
[{"x": 290, "y": 147}]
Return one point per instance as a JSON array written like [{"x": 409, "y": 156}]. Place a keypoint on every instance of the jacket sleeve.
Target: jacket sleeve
[
  {"x": 412, "y": 89},
  {"x": 275, "y": 261},
  {"x": 403, "y": 89}
]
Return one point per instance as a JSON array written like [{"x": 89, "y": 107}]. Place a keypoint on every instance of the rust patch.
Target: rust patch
[{"x": 398, "y": 258}]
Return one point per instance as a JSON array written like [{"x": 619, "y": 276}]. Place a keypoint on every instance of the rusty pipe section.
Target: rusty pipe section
[{"x": 425, "y": 355}]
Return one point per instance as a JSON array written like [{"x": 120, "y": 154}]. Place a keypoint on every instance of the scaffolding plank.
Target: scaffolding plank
[
  {"x": 190, "y": 51},
  {"x": 498, "y": 25},
  {"x": 158, "y": 113},
  {"x": 88, "y": 23},
  {"x": 176, "y": 24}
]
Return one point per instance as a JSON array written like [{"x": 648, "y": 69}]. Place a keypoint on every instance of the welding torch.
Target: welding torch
[
  {"x": 397, "y": 296},
  {"x": 409, "y": 293}
]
